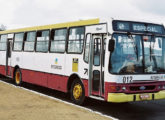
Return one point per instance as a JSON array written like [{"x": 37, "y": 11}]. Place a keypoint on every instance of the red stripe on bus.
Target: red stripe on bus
[
  {"x": 53, "y": 81},
  {"x": 2, "y": 70}
]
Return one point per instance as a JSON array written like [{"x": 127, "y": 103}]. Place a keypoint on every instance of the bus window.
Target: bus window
[
  {"x": 3, "y": 40},
  {"x": 42, "y": 41},
  {"x": 76, "y": 38},
  {"x": 87, "y": 47},
  {"x": 18, "y": 41},
  {"x": 58, "y": 40},
  {"x": 97, "y": 45},
  {"x": 30, "y": 41}
]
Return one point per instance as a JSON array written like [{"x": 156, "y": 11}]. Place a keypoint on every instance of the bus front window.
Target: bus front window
[
  {"x": 127, "y": 58},
  {"x": 154, "y": 49}
]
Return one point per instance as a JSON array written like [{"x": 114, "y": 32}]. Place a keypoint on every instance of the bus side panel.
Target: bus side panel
[
  {"x": 34, "y": 77},
  {"x": 57, "y": 82},
  {"x": 85, "y": 82},
  {"x": 52, "y": 81},
  {"x": 107, "y": 84},
  {"x": 2, "y": 62},
  {"x": 12, "y": 72},
  {"x": 2, "y": 70}
]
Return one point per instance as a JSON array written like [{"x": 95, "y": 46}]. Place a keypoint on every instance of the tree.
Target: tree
[{"x": 2, "y": 27}]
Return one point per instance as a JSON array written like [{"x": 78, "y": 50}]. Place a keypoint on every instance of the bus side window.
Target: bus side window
[
  {"x": 3, "y": 40},
  {"x": 58, "y": 40},
  {"x": 76, "y": 39},
  {"x": 18, "y": 41},
  {"x": 42, "y": 41},
  {"x": 87, "y": 47},
  {"x": 29, "y": 41}
]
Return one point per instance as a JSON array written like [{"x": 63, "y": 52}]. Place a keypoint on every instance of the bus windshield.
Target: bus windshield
[{"x": 137, "y": 54}]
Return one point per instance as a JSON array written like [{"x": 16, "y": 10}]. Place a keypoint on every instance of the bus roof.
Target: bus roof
[{"x": 60, "y": 25}]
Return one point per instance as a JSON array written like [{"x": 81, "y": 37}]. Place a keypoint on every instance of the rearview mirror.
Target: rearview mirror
[{"x": 111, "y": 45}]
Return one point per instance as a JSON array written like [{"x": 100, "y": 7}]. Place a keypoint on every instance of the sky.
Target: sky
[{"x": 25, "y": 13}]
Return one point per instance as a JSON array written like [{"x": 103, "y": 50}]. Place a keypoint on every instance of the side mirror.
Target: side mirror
[{"x": 111, "y": 45}]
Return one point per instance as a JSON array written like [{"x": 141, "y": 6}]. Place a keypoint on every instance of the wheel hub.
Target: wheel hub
[
  {"x": 17, "y": 78},
  {"x": 77, "y": 91}
]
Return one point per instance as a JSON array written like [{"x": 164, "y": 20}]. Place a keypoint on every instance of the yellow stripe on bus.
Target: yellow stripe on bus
[{"x": 60, "y": 25}]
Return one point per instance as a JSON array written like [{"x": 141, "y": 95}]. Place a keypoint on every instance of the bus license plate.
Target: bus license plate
[{"x": 144, "y": 96}]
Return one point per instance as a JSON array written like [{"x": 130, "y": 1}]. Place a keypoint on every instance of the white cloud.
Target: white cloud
[
  {"x": 19, "y": 13},
  {"x": 152, "y": 10},
  {"x": 150, "y": 6}
]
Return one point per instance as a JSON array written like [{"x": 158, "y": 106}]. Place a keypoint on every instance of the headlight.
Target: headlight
[
  {"x": 123, "y": 88},
  {"x": 163, "y": 86}
]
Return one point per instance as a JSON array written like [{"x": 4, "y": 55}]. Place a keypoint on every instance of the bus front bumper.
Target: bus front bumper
[{"x": 122, "y": 97}]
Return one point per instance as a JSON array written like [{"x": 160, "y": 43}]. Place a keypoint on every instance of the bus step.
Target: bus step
[{"x": 97, "y": 98}]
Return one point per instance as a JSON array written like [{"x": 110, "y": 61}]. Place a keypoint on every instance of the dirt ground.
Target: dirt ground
[{"x": 19, "y": 104}]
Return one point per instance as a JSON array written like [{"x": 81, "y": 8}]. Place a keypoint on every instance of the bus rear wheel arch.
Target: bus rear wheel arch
[{"x": 77, "y": 92}]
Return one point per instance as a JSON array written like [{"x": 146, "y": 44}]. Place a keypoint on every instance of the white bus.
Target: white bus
[{"x": 113, "y": 60}]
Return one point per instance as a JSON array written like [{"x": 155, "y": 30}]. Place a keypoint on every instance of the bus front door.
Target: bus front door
[
  {"x": 96, "y": 65},
  {"x": 8, "y": 58}
]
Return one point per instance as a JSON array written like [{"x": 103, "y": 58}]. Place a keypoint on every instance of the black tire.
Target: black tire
[
  {"x": 18, "y": 77},
  {"x": 1, "y": 76},
  {"x": 79, "y": 100}
]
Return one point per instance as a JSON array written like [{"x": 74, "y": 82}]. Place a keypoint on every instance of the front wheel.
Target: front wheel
[
  {"x": 18, "y": 77},
  {"x": 77, "y": 92}
]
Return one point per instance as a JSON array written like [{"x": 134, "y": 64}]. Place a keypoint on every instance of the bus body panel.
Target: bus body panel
[
  {"x": 48, "y": 69},
  {"x": 3, "y": 62}
]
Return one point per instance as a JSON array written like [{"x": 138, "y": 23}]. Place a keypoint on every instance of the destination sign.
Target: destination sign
[
  {"x": 147, "y": 28},
  {"x": 137, "y": 27}
]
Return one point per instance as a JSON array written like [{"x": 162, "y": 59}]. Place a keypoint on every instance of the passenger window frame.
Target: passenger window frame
[
  {"x": 34, "y": 41},
  {"x": 75, "y": 40},
  {"x": 66, "y": 39},
  {"x": 4, "y": 42},
  {"x": 17, "y": 41},
  {"x": 40, "y": 41}
]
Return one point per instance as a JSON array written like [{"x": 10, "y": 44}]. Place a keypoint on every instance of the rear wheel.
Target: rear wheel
[
  {"x": 18, "y": 77},
  {"x": 77, "y": 92}
]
